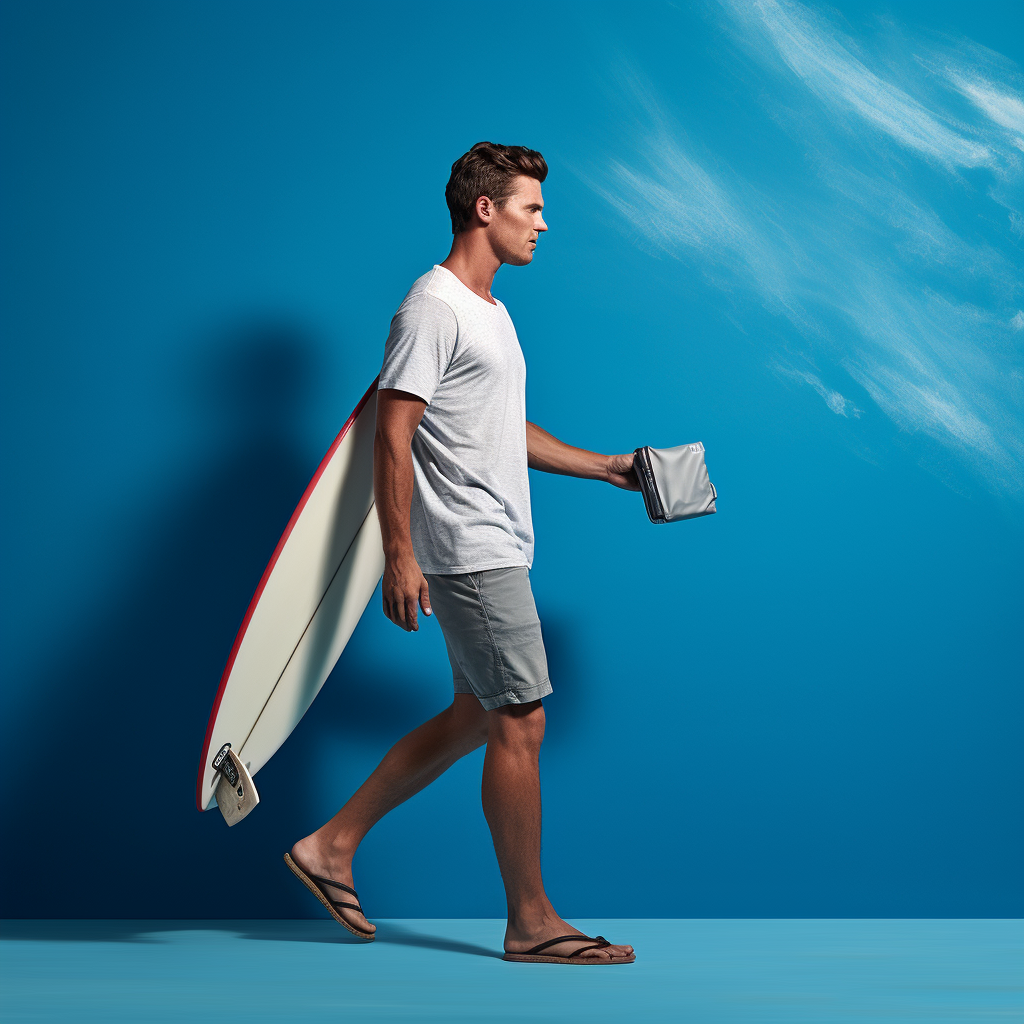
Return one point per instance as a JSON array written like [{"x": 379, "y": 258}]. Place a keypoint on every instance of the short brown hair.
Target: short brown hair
[{"x": 488, "y": 170}]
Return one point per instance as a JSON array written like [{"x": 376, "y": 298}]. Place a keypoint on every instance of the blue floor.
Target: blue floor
[{"x": 701, "y": 971}]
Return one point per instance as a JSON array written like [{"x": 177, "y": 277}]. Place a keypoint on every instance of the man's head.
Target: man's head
[{"x": 497, "y": 188}]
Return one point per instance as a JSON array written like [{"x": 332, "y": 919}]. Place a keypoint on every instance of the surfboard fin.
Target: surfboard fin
[{"x": 236, "y": 792}]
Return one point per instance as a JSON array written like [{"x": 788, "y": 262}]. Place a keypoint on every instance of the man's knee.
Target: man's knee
[
  {"x": 521, "y": 725},
  {"x": 469, "y": 716}
]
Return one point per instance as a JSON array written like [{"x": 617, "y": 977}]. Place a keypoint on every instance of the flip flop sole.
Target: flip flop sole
[
  {"x": 576, "y": 961},
  {"x": 315, "y": 890}
]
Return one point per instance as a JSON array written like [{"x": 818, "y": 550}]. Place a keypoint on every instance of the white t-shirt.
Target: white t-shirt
[{"x": 460, "y": 354}]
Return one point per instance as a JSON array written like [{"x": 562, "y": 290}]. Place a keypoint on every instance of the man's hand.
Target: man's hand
[
  {"x": 404, "y": 587},
  {"x": 619, "y": 471}
]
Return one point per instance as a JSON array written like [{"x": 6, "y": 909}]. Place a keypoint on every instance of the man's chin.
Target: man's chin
[{"x": 515, "y": 257}]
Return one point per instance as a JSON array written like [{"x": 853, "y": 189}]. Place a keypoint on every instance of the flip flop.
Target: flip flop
[
  {"x": 599, "y": 942},
  {"x": 314, "y": 883}
]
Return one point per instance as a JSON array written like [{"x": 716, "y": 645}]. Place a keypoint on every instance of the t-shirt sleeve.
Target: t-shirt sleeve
[{"x": 420, "y": 346}]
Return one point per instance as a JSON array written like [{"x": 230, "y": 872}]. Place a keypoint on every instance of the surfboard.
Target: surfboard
[{"x": 310, "y": 598}]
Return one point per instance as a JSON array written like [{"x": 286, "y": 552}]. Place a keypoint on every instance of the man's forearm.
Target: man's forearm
[
  {"x": 547, "y": 453},
  {"x": 392, "y": 489}
]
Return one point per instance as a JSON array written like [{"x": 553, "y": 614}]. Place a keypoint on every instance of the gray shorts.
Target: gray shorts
[{"x": 490, "y": 626}]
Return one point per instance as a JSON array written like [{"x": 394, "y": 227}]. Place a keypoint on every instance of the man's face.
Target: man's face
[{"x": 516, "y": 226}]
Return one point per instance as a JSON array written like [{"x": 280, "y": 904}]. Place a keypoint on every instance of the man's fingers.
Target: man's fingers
[
  {"x": 398, "y": 611},
  {"x": 620, "y": 472},
  {"x": 627, "y": 481},
  {"x": 401, "y": 610},
  {"x": 400, "y": 603}
]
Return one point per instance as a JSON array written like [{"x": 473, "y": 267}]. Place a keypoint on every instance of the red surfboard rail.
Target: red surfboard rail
[{"x": 263, "y": 582}]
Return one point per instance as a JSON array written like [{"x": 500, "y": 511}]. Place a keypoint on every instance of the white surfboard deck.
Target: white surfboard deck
[{"x": 319, "y": 580}]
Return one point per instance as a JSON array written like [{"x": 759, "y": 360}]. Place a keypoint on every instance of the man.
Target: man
[{"x": 450, "y": 478}]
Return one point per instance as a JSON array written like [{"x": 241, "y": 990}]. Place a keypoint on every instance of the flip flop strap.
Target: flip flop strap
[
  {"x": 342, "y": 886},
  {"x": 599, "y": 943},
  {"x": 337, "y": 885},
  {"x": 603, "y": 944}
]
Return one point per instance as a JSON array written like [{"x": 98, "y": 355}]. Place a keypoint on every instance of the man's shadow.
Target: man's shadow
[
  {"x": 325, "y": 932},
  {"x": 100, "y": 767}
]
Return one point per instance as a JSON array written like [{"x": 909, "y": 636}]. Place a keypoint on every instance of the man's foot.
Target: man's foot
[
  {"x": 314, "y": 861},
  {"x": 521, "y": 939}
]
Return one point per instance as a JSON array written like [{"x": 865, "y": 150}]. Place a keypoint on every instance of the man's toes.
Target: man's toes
[
  {"x": 596, "y": 954},
  {"x": 360, "y": 922}
]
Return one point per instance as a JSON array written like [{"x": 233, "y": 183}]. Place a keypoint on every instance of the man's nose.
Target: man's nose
[{"x": 541, "y": 226}]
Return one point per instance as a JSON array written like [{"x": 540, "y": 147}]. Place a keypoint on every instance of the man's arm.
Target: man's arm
[
  {"x": 547, "y": 453},
  {"x": 404, "y": 586}
]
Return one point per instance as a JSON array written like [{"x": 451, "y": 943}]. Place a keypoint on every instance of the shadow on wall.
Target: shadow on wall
[{"x": 126, "y": 700}]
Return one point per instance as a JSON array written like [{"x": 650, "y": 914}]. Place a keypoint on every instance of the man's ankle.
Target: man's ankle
[
  {"x": 529, "y": 918},
  {"x": 336, "y": 849}
]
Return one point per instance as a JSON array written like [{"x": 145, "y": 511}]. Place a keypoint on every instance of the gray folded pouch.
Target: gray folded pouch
[{"x": 674, "y": 482}]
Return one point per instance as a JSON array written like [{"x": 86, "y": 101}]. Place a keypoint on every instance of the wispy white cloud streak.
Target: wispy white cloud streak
[
  {"x": 922, "y": 315},
  {"x": 1002, "y": 108},
  {"x": 826, "y": 62},
  {"x": 676, "y": 205},
  {"x": 991, "y": 84},
  {"x": 682, "y": 207},
  {"x": 937, "y": 366},
  {"x": 839, "y": 404}
]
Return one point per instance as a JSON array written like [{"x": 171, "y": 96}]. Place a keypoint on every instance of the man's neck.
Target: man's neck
[{"x": 473, "y": 262}]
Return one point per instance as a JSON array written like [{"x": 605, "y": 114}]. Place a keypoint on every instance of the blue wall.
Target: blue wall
[{"x": 808, "y": 705}]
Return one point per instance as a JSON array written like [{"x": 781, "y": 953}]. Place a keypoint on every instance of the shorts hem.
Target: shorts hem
[{"x": 516, "y": 695}]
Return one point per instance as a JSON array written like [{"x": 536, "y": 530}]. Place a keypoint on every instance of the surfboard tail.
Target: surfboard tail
[{"x": 236, "y": 793}]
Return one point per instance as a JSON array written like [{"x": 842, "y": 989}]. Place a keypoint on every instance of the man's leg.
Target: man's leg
[
  {"x": 511, "y": 799},
  {"x": 412, "y": 763}
]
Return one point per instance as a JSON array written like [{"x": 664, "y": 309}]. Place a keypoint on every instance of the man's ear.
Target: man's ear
[{"x": 484, "y": 209}]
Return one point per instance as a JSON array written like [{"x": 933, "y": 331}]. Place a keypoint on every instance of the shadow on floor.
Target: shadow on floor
[
  {"x": 396, "y": 934},
  {"x": 153, "y": 932}
]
